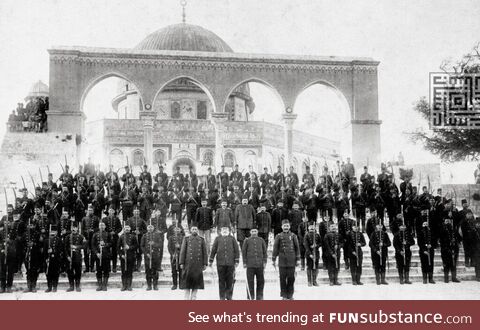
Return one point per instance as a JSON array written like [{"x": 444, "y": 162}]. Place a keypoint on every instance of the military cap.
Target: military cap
[{"x": 285, "y": 222}]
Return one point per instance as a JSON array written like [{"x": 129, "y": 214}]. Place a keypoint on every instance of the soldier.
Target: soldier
[
  {"x": 344, "y": 228},
  {"x": 159, "y": 224},
  {"x": 74, "y": 243},
  {"x": 426, "y": 251},
  {"x": 333, "y": 244},
  {"x": 161, "y": 178},
  {"x": 467, "y": 227},
  {"x": 145, "y": 203},
  {"x": 178, "y": 179},
  {"x": 236, "y": 177},
  {"x": 227, "y": 253},
  {"x": 402, "y": 241},
  {"x": 293, "y": 177},
  {"x": 150, "y": 245},
  {"x": 127, "y": 199},
  {"x": 175, "y": 235},
  {"x": 278, "y": 215},
  {"x": 145, "y": 177},
  {"x": 449, "y": 240},
  {"x": 113, "y": 227},
  {"x": 223, "y": 217},
  {"x": 193, "y": 261},
  {"x": 244, "y": 220},
  {"x": 379, "y": 243},
  {"x": 204, "y": 222},
  {"x": 32, "y": 255},
  {"x": 127, "y": 247},
  {"x": 176, "y": 201},
  {"x": 287, "y": 249},
  {"x": 54, "y": 253},
  {"x": 211, "y": 181},
  {"x": 101, "y": 248},
  {"x": 312, "y": 243},
  {"x": 263, "y": 223},
  {"x": 476, "y": 248},
  {"x": 192, "y": 201},
  {"x": 355, "y": 241},
  {"x": 89, "y": 228},
  {"x": 254, "y": 256},
  {"x": 8, "y": 251}
]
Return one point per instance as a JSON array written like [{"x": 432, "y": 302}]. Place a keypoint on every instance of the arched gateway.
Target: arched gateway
[{"x": 164, "y": 56}]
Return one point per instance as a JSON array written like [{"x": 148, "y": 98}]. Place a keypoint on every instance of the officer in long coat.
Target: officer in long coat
[
  {"x": 193, "y": 261},
  {"x": 426, "y": 251},
  {"x": 254, "y": 256},
  {"x": 150, "y": 245},
  {"x": 287, "y": 249},
  {"x": 263, "y": 223},
  {"x": 227, "y": 253}
]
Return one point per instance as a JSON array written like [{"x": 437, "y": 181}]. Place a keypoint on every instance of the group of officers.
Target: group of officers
[{"x": 88, "y": 221}]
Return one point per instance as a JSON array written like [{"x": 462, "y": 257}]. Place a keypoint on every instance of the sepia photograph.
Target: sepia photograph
[{"x": 240, "y": 150}]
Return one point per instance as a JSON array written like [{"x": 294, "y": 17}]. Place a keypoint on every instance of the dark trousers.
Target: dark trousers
[
  {"x": 226, "y": 276},
  {"x": 75, "y": 273},
  {"x": 103, "y": 268},
  {"x": 53, "y": 273},
  {"x": 310, "y": 264},
  {"x": 403, "y": 264},
  {"x": 242, "y": 234},
  {"x": 449, "y": 259},
  {"x": 175, "y": 272},
  {"x": 356, "y": 267},
  {"x": 7, "y": 270},
  {"x": 127, "y": 269},
  {"x": 151, "y": 273},
  {"x": 379, "y": 263},
  {"x": 191, "y": 210},
  {"x": 287, "y": 281},
  {"x": 252, "y": 273},
  {"x": 426, "y": 266},
  {"x": 264, "y": 236},
  {"x": 138, "y": 255},
  {"x": 312, "y": 215},
  {"x": 114, "y": 250}
]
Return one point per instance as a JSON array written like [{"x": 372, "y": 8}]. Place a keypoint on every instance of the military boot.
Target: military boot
[
  {"x": 336, "y": 282},
  {"x": 309, "y": 277},
  {"x": 454, "y": 276},
  {"x": 77, "y": 286},
  {"x": 424, "y": 278},
  {"x": 407, "y": 277},
  {"x": 149, "y": 284},
  {"x": 358, "y": 279},
  {"x": 105, "y": 283},
  {"x": 124, "y": 285},
  {"x": 445, "y": 276},
  {"x": 383, "y": 281},
  {"x": 377, "y": 277},
  {"x": 400, "y": 275},
  {"x": 314, "y": 277},
  {"x": 71, "y": 288},
  {"x": 430, "y": 278},
  {"x": 99, "y": 284}
]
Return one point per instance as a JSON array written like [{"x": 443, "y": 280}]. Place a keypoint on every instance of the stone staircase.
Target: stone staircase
[{"x": 271, "y": 274}]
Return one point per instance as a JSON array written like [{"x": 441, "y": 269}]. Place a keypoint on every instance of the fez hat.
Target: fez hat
[
  {"x": 464, "y": 201},
  {"x": 285, "y": 222}
]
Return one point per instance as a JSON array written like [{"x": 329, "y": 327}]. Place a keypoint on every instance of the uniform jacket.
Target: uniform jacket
[
  {"x": 226, "y": 249},
  {"x": 263, "y": 222},
  {"x": 224, "y": 218},
  {"x": 244, "y": 216},
  {"x": 287, "y": 249},
  {"x": 98, "y": 237},
  {"x": 254, "y": 252},
  {"x": 204, "y": 218}
]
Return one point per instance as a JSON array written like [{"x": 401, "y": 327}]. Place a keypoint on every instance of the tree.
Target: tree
[{"x": 451, "y": 144}]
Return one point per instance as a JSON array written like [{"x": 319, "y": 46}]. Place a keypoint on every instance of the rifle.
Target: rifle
[
  {"x": 48, "y": 248},
  {"x": 403, "y": 242},
  {"x": 356, "y": 243},
  {"x": 176, "y": 256},
  {"x": 314, "y": 244},
  {"x": 428, "y": 241},
  {"x": 41, "y": 177},
  {"x": 124, "y": 247},
  {"x": 151, "y": 254},
  {"x": 380, "y": 245},
  {"x": 101, "y": 246},
  {"x": 71, "y": 245},
  {"x": 5, "y": 225},
  {"x": 65, "y": 156},
  {"x": 29, "y": 248}
]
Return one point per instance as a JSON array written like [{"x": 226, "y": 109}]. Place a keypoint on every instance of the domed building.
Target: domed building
[{"x": 182, "y": 131}]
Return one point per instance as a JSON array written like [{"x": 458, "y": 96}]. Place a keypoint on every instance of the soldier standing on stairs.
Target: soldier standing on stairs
[
  {"x": 127, "y": 248},
  {"x": 333, "y": 244},
  {"x": 175, "y": 235},
  {"x": 101, "y": 249},
  {"x": 150, "y": 245},
  {"x": 379, "y": 243},
  {"x": 449, "y": 239},
  {"x": 74, "y": 244},
  {"x": 402, "y": 241},
  {"x": 53, "y": 247},
  {"x": 355, "y": 241},
  {"x": 426, "y": 250},
  {"x": 312, "y": 243}
]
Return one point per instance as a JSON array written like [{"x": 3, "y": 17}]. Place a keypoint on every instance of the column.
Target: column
[
  {"x": 289, "y": 119},
  {"x": 148, "y": 120},
  {"x": 218, "y": 119}
]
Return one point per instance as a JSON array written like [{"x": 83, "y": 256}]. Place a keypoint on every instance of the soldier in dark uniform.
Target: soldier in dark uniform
[
  {"x": 177, "y": 181},
  {"x": 426, "y": 251},
  {"x": 162, "y": 178},
  {"x": 236, "y": 177},
  {"x": 138, "y": 227},
  {"x": 127, "y": 247},
  {"x": 113, "y": 227},
  {"x": 211, "y": 180},
  {"x": 287, "y": 249},
  {"x": 74, "y": 244},
  {"x": 299, "y": 225},
  {"x": 344, "y": 228},
  {"x": 175, "y": 235},
  {"x": 223, "y": 217},
  {"x": 193, "y": 261},
  {"x": 204, "y": 222},
  {"x": 146, "y": 178},
  {"x": 8, "y": 250},
  {"x": 176, "y": 202},
  {"x": 263, "y": 223},
  {"x": 254, "y": 256},
  {"x": 145, "y": 203},
  {"x": 476, "y": 248},
  {"x": 127, "y": 198},
  {"x": 101, "y": 249},
  {"x": 449, "y": 240},
  {"x": 333, "y": 244},
  {"x": 227, "y": 253},
  {"x": 192, "y": 203},
  {"x": 355, "y": 241},
  {"x": 467, "y": 227},
  {"x": 33, "y": 258},
  {"x": 402, "y": 241},
  {"x": 159, "y": 224},
  {"x": 359, "y": 203},
  {"x": 312, "y": 243},
  {"x": 379, "y": 243},
  {"x": 279, "y": 178},
  {"x": 89, "y": 227},
  {"x": 150, "y": 245},
  {"x": 244, "y": 220},
  {"x": 278, "y": 215},
  {"x": 54, "y": 249}
]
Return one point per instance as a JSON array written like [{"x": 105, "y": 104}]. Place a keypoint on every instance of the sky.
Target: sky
[{"x": 409, "y": 38}]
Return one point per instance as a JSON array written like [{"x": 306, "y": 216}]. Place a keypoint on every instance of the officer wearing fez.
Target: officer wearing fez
[
  {"x": 379, "y": 243},
  {"x": 101, "y": 248},
  {"x": 287, "y": 249},
  {"x": 355, "y": 241},
  {"x": 193, "y": 261},
  {"x": 127, "y": 248},
  {"x": 254, "y": 256},
  {"x": 227, "y": 253},
  {"x": 74, "y": 244},
  {"x": 402, "y": 241}
]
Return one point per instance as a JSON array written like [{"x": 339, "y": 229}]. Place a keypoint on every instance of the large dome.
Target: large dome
[{"x": 184, "y": 37}]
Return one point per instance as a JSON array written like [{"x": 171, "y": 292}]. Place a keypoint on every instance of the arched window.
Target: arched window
[
  {"x": 176, "y": 110},
  {"x": 251, "y": 159},
  {"x": 208, "y": 158},
  {"x": 116, "y": 158},
  {"x": 138, "y": 158},
  {"x": 159, "y": 157},
  {"x": 229, "y": 159}
]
